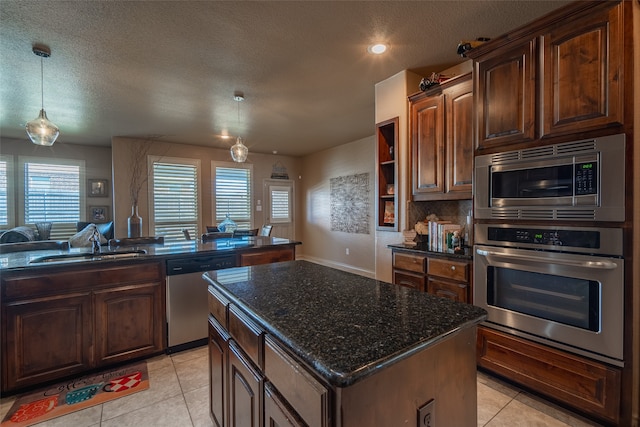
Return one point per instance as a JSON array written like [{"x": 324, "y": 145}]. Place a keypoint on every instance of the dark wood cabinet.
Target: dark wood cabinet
[
  {"x": 556, "y": 77},
  {"x": 442, "y": 141},
  {"x": 59, "y": 323},
  {"x": 218, "y": 387},
  {"x": 245, "y": 390},
  {"x": 387, "y": 175},
  {"x": 436, "y": 274},
  {"x": 276, "y": 412},
  {"x": 582, "y": 76},
  {"x": 129, "y": 319},
  {"x": 573, "y": 380},
  {"x": 267, "y": 256},
  {"x": 506, "y": 95},
  {"x": 34, "y": 350}
]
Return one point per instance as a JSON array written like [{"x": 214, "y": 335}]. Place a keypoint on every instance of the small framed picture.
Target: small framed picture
[
  {"x": 98, "y": 213},
  {"x": 391, "y": 189},
  {"x": 97, "y": 187}
]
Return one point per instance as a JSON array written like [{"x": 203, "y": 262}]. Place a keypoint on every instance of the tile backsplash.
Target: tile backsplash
[{"x": 455, "y": 211}]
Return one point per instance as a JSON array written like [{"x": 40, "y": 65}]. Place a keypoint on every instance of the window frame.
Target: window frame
[
  {"x": 232, "y": 165},
  {"x": 151, "y": 160},
  {"x": 82, "y": 203},
  {"x": 11, "y": 196}
]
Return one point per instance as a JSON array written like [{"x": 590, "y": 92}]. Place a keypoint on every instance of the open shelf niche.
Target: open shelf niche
[{"x": 387, "y": 175}]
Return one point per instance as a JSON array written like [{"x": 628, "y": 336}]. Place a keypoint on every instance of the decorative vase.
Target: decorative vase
[
  {"x": 228, "y": 225},
  {"x": 134, "y": 223}
]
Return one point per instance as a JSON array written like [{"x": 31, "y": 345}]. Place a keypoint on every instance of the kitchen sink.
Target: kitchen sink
[{"x": 88, "y": 256}]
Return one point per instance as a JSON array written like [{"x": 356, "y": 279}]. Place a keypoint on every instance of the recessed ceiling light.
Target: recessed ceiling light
[{"x": 377, "y": 49}]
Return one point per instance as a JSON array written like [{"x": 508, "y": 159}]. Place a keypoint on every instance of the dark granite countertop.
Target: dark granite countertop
[
  {"x": 343, "y": 325},
  {"x": 187, "y": 248},
  {"x": 421, "y": 248}
]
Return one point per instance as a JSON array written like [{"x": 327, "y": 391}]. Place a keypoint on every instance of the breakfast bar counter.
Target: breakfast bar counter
[{"x": 371, "y": 353}]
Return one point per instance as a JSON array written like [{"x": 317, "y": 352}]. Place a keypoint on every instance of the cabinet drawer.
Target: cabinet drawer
[
  {"x": 248, "y": 335},
  {"x": 409, "y": 262},
  {"x": 267, "y": 257},
  {"x": 296, "y": 385},
  {"x": 455, "y": 291},
  {"x": 448, "y": 269},
  {"x": 218, "y": 305}
]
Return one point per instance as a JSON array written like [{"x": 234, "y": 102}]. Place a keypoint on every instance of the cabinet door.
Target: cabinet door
[
  {"x": 129, "y": 322},
  {"x": 218, "y": 394},
  {"x": 427, "y": 136},
  {"x": 46, "y": 339},
  {"x": 505, "y": 104},
  {"x": 245, "y": 390},
  {"x": 459, "y": 139},
  {"x": 452, "y": 290},
  {"x": 410, "y": 280},
  {"x": 276, "y": 412},
  {"x": 583, "y": 73}
]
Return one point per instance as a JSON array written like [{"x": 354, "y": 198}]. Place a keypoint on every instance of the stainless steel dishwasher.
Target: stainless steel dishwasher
[{"x": 187, "y": 308}]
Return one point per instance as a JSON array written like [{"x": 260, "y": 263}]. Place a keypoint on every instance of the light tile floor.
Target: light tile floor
[{"x": 178, "y": 396}]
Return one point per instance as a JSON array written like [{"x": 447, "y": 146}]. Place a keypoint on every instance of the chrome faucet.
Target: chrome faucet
[{"x": 95, "y": 241}]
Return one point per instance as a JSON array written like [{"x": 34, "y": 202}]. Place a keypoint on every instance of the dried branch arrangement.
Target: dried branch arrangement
[{"x": 139, "y": 175}]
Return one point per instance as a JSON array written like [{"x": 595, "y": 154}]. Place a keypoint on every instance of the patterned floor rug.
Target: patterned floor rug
[{"x": 69, "y": 396}]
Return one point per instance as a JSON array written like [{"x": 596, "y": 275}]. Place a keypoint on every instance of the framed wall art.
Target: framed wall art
[
  {"x": 98, "y": 213},
  {"x": 97, "y": 188}
]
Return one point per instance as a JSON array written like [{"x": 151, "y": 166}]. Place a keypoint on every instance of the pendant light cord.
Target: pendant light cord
[{"x": 42, "y": 82}]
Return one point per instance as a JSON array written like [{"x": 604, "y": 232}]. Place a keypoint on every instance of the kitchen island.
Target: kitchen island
[
  {"x": 65, "y": 312},
  {"x": 296, "y": 343}
]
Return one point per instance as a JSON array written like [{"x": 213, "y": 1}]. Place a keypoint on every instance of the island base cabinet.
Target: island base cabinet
[
  {"x": 584, "y": 384},
  {"x": 245, "y": 390},
  {"x": 33, "y": 348},
  {"x": 276, "y": 412},
  {"x": 218, "y": 394},
  {"x": 444, "y": 372}
]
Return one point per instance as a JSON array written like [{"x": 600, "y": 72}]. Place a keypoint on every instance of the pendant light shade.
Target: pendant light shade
[
  {"x": 239, "y": 151},
  {"x": 41, "y": 130}
]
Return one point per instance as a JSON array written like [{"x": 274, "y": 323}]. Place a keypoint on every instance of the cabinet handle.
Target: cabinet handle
[{"x": 453, "y": 268}]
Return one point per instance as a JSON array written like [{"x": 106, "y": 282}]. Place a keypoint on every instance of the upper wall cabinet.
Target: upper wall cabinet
[
  {"x": 552, "y": 78},
  {"x": 583, "y": 65},
  {"x": 506, "y": 95},
  {"x": 442, "y": 141}
]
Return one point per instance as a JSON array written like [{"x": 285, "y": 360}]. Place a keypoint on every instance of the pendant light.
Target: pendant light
[
  {"x": 239, "y": 151},
  {"x": 40, "y": 130}
]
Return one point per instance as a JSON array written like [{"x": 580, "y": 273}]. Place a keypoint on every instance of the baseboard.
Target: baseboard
[{"x": 338, "y": 266}]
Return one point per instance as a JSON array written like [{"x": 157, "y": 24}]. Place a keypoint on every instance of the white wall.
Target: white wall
[
  {"x": 391, "y": 101},
  {"x": 320, "y": 243}
]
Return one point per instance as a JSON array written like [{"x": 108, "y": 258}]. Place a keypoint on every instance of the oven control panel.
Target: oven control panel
[{"x": 546, "y": 237}]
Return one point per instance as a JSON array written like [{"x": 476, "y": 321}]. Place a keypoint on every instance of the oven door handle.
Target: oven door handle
[{"x": 604, "y": 265}]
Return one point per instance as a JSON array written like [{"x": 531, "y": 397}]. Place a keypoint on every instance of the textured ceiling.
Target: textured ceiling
[{"x": 169, "y": 69}]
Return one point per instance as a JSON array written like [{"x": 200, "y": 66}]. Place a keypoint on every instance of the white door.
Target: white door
[{"x": 278, "y": 205}]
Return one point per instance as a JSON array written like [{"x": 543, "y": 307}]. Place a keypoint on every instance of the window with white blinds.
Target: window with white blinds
[
  {"x": 232, "y": 193},
  {"x": 280, "y": 204},
  {"x": 174, "y": 197},
  {"x": 4, "y": 193},
  {"x": 53, "y": 191}
]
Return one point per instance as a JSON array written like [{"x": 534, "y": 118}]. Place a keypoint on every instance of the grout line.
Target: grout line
[{"x": 501, "y": 409}]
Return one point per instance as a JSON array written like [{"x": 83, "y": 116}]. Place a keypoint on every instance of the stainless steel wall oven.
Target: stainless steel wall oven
[{"x": 561, "y": 286}]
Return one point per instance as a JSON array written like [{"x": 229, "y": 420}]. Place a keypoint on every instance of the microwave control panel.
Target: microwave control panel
[{"x": 586, "y": 178}]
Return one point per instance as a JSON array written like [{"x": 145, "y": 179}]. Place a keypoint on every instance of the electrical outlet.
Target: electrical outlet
[
  {"x": 347, "y": 251},
  {"x": 426, "y": 415}
]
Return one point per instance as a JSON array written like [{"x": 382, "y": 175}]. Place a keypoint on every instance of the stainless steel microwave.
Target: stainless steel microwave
[{"x": 582, "y": 180}]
